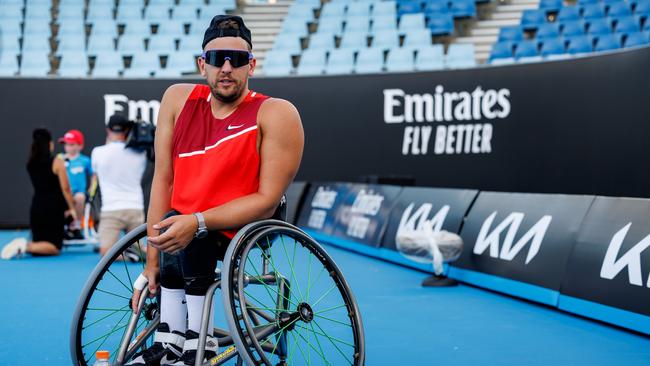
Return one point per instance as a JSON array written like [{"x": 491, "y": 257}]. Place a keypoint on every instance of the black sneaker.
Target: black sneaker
[
  {"x": 189, "y": 349},
  {"x": 166, "y": 350}
]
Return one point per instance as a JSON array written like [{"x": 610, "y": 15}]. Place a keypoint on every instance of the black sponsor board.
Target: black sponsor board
[
  {"x": 610, "y": 263},
  {"x": 523, "y": 237},
  {"x": 364, "y": 212},
  {"x": 318, "y": 210},
  {"x": 444, "y": 208},
  {"x": 294, "y": 195}
]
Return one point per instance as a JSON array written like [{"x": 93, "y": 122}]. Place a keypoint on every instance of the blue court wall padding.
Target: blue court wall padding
[
  {"x": 524, "y": 238},
  {"x": 318, "y": 211},
  {"x": 363, "y": 214},
  {"x": 608, "y": 273}
]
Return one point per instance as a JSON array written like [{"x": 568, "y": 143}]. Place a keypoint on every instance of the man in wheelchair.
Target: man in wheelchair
[{"x": 224, "y": 157}]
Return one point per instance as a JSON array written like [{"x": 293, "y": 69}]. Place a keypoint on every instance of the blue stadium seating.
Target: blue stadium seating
[
  {"x": 38, "y": 12},
  {"x": 551, "y": 5},
  {"x": 358, "y": 9},
  {"x": 178, "y": 63},
  {"x": 548, "y": 30},
  {"x": 599, "y": 27},
  {"x": 278, "y": 63},
  {"x": 408, "y": 7},
  {"x": 137, "y": 27},
  {"x": 71, "y": 26},
  {"x": 636, "y": 39},
  {"x": 593, "y": 11},
  {"x": 69, "y": 13},
  {"x": 573, "y": 28},
  {"x": 436, "y": 7},
  {"x": 332, "y": 25},
  {"x": 512, "y": 33},
  {"x": 143, "y": 65},
  {"x": 156, "y": 14},
  {"x": 36, "y": 28},
  {"x": 627, "y": 25},
  {"x": 580, "y": 44},
  {"x": 130, "y": 44},
  {"x": 190, "y": 42},
  {"x": 185, "y": 13},
  {"x": 587, "y": 2},
  {"x": 322, "y": 41},
  {"x": 442, "y": 24},
  {"x": 300, "y": 11},
  {"x": 409, "y": 22},
  {"x": 289, "y": 43},
  {"x": 172, "y": 28},
  {"x": 643, "y": 9},
  {"x": 34, "y": 63},
  {"x": 553, "y": 47},
  {"x": 416, "y": 38},
  {"x": 333, "y": 10},
  {"x": 36, "y": 43},
  {"x": 387, "y": 8},
  {"x": 312, "y": 62},
  {"x": 73, "y": 64},
  {"x": 527, "y": 48},
  {"x": 385, "y": 39},
  {"x": 502, "y": 50},
  {"x": 354, "y": 40},
  {"x": 383, "y": 22},
  {"x": 369, "y": 60},
  {"x": 299, "y": 28},
  {"x": 569, "y": 13},
  {"x": 619, "y": 9},
  {"x": 8, "y": 64},
  {"x": 400, "y": 60},
  {"x": 99, "y": 12},
  {"x": 429, "y": 58},
  {"x": 463, "y": 8},
  {"x": 126, "y": 13},
  {"x": 100, "y": 43},
  {"x": 357, "y": 23},
  {"x": 161, "y": 45},
  {"x": 460, "y": 56},
  {"x": 608, "y": 42},
  {"x": 340, "y": 61},
  {"x": 532, "y": 18},
  {"x": 72, "y": 42}
]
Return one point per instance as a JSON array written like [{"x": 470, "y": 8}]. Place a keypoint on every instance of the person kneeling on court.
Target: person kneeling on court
[{"x": 224, "y": 157}]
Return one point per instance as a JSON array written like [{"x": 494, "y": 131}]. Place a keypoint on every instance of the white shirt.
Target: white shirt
[{"x": 119, "y": 172}]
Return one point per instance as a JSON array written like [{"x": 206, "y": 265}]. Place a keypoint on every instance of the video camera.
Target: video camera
[{"x": 141, "y": 136}]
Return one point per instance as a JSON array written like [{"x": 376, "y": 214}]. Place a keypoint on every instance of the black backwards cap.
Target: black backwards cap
[{"x": 216, "y": 30}]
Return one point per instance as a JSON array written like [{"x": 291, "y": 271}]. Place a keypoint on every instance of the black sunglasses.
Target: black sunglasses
[{"x": 237, "y": 58}]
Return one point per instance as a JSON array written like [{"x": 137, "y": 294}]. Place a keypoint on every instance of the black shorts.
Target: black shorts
[{"x": 47, "y": 225}]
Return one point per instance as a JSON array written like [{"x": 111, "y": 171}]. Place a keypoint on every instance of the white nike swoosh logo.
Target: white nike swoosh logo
[{"x": 231, "y": 127}]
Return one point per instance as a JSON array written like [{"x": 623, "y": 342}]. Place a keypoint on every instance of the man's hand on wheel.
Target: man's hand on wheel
[
  {"x": 178, "y": 233},
  {"x": 152, "y": 275}
]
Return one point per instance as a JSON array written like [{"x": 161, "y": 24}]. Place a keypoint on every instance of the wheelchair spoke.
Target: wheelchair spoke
[
  {"x": 313, "y": 330},
  {"x": 324, "y": 295},
  {"x": 297, "y": 343},
  {"x": 318, "y": 342},
  {"x": 276, "y": 272},
  {"x": 290, "y": 263},
  {"x": 110, "y": 293},
  {"x": 309, "y": 285},
  {"x": 334, "y": 344},
  {"x": 126, "y": 269},
  {"x": 329, "y": 309},
  {"x": 106, "y": 316},
  {"x": 118, "y": 280},
  {"x": 308, "y": 277},
  {"x": 266, "y": 287},
  {"x": 105, "y": 337},
  {"x": 312, "y": 347},
  {"x": 333, "y": 320}
]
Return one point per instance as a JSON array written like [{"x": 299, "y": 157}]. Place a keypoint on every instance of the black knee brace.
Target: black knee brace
[
  {"x": 171, "y": 273},
  {"x": 198, "y": 286}
]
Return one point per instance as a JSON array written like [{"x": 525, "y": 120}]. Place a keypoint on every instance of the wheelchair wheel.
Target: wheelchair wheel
[
  {"x": 282, "y": 287},
  {"x": 103, "y": 319}
]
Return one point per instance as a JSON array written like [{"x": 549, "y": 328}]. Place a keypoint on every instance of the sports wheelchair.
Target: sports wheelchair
[{"x": 285, "y": 302}]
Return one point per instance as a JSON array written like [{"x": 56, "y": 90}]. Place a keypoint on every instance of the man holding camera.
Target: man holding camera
[{"x": 119, "y": 172}]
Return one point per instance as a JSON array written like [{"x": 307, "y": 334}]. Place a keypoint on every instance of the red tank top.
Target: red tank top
[{"x": 215, "y": 160}]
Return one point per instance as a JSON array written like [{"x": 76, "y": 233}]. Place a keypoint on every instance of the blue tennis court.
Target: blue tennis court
[{"x": 405, "y": 324}]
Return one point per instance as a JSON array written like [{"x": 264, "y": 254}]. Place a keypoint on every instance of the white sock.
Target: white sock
[
  {"x": 173, "y": 310},
  {"x": 194, "y": 312}
]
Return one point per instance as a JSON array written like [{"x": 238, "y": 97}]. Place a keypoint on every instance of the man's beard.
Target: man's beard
[{"x": 227, "y": 98}]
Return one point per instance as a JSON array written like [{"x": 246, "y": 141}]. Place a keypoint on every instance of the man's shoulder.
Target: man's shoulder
[
  {"x": 178, "y": 93},
  {"x": 278, "y": 109}
]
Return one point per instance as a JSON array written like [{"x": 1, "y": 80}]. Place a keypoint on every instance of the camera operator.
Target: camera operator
[{"x": 119, "y": 172}]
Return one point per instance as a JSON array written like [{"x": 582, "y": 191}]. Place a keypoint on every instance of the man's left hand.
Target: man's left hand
[{"x": 179, "y": 232}]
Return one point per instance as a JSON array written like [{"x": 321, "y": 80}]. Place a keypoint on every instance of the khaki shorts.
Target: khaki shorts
[{"x": 112, "y": 223}]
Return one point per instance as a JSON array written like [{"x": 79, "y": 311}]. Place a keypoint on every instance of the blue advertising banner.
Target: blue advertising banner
[{"x": 320, "y": 204}]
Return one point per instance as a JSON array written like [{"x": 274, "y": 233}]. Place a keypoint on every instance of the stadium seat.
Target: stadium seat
[
  {"x": 314, "y": 4},
  {"x": 298, "y": 28},
  {"x": 332, "y": 10},
  {"x": 178, "y": 64},
  {"x": 430, "y": 58},
  {"x": 384, "y": 8},
  {"x": 126, "y": 13},
  {"x": 548, "y": 30},
  {"x": 223, "y": 4},
  {"x": 593, "y": 11},
  {"x": 137, "y": 28},
  {"x": 354, "y": 40},
  {"x": 580, "y": 44},
  {"x": 36, "y": 28},
  {"x": 642, "y": 9},
  {"x": 277, "y": 63},
  {"x": 73, "y": 64},
  {"x": 99, "y": 2},
  {"x": 132, "y": 3},
  {"x": 608, "y": 42},
  {"x": 143, "y": 64},
  {"x": 107, "y": 65},
  {"x": 385, "y": 39},
  {"x": 34, "y": 63},
  {"x": 321, "y": 41},
  {"x": 100, "y": 43},
  {"x": 369, "y": 60},
  {"x": 598, "y": 27},
  {"x": 436, "y": 7},
  {"x": 191, "y": 42},
  {"x": 502, "y": 50},
  {"x": 400, "y": 60},
  {"x": 99, "y": 12},
  {"x": 334, "y": 26},
  {"x": 442, "y": 24},
  {"x": 312, "y": 62},
  {"x": 185, "y": 13},
  {"x": 463, "y": 8},
  {"x": 619, "y": 9},
  {"x": 460, "y": 55},
  {"x": 174, "y": 28},
  {"x": 106, "y": 27},
  {"x": 161, "y": 45},
  {"x": 8, "y": 64},
  {"x": 627, "y": 25},
  {"x": 287, "y": 42},
  {"x": 13, "y": 11},
  {"x": 36, "y": 42},
  {"x": 357, "y": 23},
  {"x": 527, "y": 48},
  {"x": 408, "y": 7},
  {"x": 551, "y": 5},
  {"x": 299, "y": 11},
  {"x": 9, "y": 43},
  {"x": 11, "y": 26},
  {"x": 72, "y": 42},
  {"x": 167, "y": 3},
  {"x": 418, "y": 38},
  {"x": 587, "y": 2},
  {"x": 511, "y": 33},
  {"x": 636, "y": 39},
  {"x": 383, "y": 22},
  {"x": 573, "y": 28},
  {"x": 39, "y": 12},
  {"x": 130, "y": 44},
  {"x": 71, "y": 26},
  {"x": 70, "y": 13},
  {"x": 568, "y": 14},
  {"x": 358, "y": 9},
  {"x": 553, "y": 47},
  {"x": 341, "y": 61},
  {"x": 532, "y": 18},
  {"x": 156, "y": 14}
]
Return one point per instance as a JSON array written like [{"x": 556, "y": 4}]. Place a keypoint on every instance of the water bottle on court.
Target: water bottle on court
[{"x": 101, "y": 358}]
